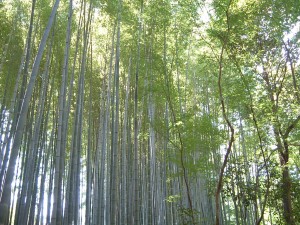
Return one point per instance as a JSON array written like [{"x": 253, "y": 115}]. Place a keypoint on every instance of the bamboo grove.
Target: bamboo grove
[{"x": 149, "y": 112}]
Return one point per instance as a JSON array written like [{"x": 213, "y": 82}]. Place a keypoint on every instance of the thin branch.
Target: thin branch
[{"x": 231, "y": 140}]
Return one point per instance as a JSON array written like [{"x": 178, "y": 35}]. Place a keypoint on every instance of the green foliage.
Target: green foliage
[
  {"x": 178, "y": 63},
  {"x": 186, "y": 215},
  {"x": 11, "y": 45},
  {"x": 173, "y": 198}
]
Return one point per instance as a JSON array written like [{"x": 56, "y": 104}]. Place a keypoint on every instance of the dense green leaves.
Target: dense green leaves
[{"x": 143, "y": 117}]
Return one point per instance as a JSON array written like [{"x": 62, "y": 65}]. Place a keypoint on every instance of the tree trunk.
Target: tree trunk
[
  {"x": 6, "y": 196},
  {"x": 59, "y": 158}
]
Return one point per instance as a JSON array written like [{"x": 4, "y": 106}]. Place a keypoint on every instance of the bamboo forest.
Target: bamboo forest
[{"x": 149, "y": 112}]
